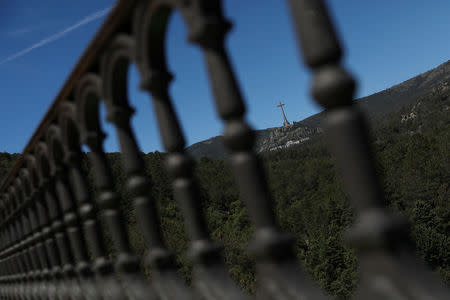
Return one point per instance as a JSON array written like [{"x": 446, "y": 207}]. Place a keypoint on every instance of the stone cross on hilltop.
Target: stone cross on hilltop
[{"x": 285, "y": 122}]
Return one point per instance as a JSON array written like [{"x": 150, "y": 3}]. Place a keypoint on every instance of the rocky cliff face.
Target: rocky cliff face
[
  {"x": 282, "y": 137},
  {"x": 270, "y": 139}
]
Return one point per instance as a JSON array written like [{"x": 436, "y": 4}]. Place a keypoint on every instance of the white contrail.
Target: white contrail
[{"x": 58, "y": 35}]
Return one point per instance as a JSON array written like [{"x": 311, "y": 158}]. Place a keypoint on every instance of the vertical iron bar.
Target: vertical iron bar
[
  {"x": 388, "y": 268},
  {"x": 114, "y": 68},
  {"x": 210, "y": 276},
  {"x": 135, "y": 285},
  {"x": 277, "y": 267},
  {"x": 106, "y": 281},
  {"x": 72, "y": 226}
]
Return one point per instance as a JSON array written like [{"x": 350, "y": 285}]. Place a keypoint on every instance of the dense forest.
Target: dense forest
[{"x": 310, "y": 202}]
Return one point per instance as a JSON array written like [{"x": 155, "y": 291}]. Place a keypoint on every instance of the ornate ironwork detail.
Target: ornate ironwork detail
[
  {"x": 276, "y": 263},
  {"x": 209, "y": 274},
  {"x": 51, "y": 242},
  {"x": 88, "y": 95}
]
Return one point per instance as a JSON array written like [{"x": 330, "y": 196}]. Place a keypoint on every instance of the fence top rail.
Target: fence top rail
[{"x": 115, "y": 19}]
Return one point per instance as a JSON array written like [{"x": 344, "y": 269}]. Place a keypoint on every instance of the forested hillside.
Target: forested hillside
[
  {"x": 414, "y": 168},
  {"x": 411, "y": 148},
  {"x": 7, "y": 161}
]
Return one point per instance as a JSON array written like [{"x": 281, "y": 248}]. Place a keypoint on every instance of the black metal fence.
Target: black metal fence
[{"x": 48, "y": 220}]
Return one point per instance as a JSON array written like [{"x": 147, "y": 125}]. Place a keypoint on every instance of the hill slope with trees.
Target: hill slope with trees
[{"x": 411, "y": 147}]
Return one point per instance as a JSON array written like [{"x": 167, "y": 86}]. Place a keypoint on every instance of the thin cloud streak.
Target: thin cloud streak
[
  {"x": 21, "y": 31},
  {"x": 52, "y": 38}
]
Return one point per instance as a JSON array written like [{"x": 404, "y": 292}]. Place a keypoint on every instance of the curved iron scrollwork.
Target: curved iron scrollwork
[{"x": 51, "y": 239}]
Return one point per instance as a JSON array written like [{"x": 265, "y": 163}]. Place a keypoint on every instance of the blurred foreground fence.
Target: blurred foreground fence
[{"x": 49, "y": 225}]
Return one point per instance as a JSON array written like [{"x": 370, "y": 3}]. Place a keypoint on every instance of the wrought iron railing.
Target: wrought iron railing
[{"x": 48, "y": 222}]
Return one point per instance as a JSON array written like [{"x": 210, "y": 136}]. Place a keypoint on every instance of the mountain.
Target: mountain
[{"x": 376, "y": 106}]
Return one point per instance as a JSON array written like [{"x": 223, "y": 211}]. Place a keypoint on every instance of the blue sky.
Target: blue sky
[{"x": 386, "y": 42}]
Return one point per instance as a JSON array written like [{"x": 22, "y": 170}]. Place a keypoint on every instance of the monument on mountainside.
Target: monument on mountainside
[{"x": 285, "y": 121}]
